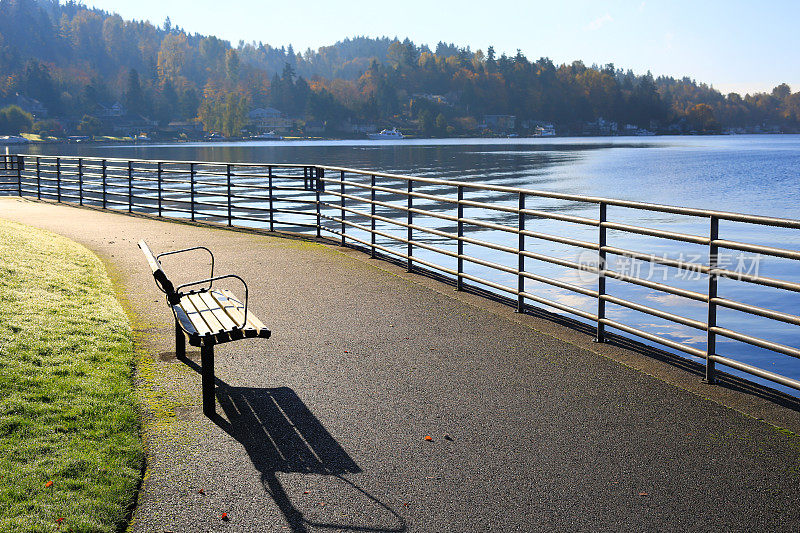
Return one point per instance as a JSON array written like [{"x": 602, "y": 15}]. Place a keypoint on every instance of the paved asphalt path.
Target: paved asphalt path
[{"x": 322, "y": 427}]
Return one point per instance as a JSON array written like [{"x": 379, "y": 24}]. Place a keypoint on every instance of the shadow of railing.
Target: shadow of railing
[{"x": 281, "y": 435}]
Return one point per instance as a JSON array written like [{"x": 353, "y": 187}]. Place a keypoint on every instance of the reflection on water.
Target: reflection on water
[{"x": 750, "y": 174}]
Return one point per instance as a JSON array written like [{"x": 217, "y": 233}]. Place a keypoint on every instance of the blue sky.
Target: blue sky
[{"x": 733, "y": 45}]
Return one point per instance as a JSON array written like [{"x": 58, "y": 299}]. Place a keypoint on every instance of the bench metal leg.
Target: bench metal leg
[
  {"x": 180, "y": 341},
  {"x": 207, "y": 363}
]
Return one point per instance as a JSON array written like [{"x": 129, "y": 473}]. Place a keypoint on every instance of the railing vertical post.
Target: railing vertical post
[
  {"x": 80, "y": 181},
  {"x": 521, "y": 256},
  {"x": 341, "y": 190},
  {"x": 320, "y": 175},
  {"x": 372, "y": 239},
  {"x": 38, "y": 179},
  {"x": 160, "y": 177},
  {"x": 711, "y": 338},
  {"x": 130, "y": 186},
  {"x": 601, "y": 276},
  {"x": 104, "y": 183},
  {"x": 409, "y": 231},
  {"x": 58, "y": 179},
  {"x": 191, "y": 190},
  {"x": 460, "y": 245},
  {"x": 271, "y": 201},
  {"x": 19, "y": 174},
  {"x": 230, "y": 206}
]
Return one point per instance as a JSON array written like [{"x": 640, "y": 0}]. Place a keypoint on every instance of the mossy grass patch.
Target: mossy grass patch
[{"x": 70, "y": 447}]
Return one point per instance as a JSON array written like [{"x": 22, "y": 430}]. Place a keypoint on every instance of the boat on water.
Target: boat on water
[
  {"x": 269, "y": 136},
  {"x": 545, "y": 131},
  {"x": 384, "y": 135},
  {"x": 13, "y": 139}
]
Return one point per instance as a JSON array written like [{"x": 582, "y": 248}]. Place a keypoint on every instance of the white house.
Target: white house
[
  {"x": 267, "y": 119},
  {"x": 115, "y": 110}
]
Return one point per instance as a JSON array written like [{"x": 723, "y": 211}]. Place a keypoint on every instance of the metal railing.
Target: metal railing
[
  {"x": 10, "y": 168},
  {"x": 417, "y": 219}
]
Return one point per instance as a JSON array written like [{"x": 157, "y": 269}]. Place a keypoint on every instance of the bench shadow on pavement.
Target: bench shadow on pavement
[{"x": 281, "y": 435}]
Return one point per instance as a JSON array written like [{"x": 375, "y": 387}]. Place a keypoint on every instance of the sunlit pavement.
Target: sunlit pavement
[{"x": 324, "y": 426}]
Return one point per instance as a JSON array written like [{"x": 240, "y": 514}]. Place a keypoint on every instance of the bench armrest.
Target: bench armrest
[
  {"x": 215, "y": 278},
  {"x": 159, "y": 256}
]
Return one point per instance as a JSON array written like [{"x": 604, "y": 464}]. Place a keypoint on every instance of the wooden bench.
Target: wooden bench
[{"x": 208, "y": 316}]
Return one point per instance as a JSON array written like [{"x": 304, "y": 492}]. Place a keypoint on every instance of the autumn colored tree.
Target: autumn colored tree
[
  {"x": 90, "y": 125},
  {"x": 426, "y": 122},
  {"x": 222, "y": 111},
  {"x": 173, "y": 57},
  {"x": 440, "y": 124},
  {"x": 701, "y": 117},
  {"x": 14, "y": 120}
]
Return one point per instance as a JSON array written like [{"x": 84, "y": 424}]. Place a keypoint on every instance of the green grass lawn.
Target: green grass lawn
[{"x": 67, "y": 407}]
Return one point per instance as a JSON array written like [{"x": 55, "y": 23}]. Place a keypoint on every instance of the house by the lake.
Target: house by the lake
[{"x": 265, "y": 119}]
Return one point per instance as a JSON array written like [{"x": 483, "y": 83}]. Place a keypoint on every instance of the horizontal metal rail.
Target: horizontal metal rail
[{"x": 402, "y": 216}]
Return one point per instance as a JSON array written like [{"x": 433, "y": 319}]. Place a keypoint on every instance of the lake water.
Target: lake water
[{"x": 745, "y": 174}]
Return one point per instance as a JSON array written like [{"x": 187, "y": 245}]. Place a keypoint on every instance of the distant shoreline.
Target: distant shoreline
[{"x": 290, "y": 140}]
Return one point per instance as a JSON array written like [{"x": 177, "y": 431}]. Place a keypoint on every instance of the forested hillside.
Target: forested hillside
[{"x": 73, "y": 59}]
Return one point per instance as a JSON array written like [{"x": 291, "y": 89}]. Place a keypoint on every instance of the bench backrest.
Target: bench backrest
[{"x": 162, "y": 281}]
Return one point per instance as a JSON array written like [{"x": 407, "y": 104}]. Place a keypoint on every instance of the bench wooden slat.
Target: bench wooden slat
[
  {"x": 205, "y": 313},
  {"x": 230, "y": 308},
  {"x": 208, "y": 317},
  {"x": 234, "y": 307},
  {"x": 252, "y": 320},
  {"x": 198, "y": 323},
  {"x": 236, "y": 314},
  {"x": 219, "y": 313}
]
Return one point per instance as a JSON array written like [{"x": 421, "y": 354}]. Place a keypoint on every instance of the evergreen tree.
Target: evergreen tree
[{"x": 134, "y": 96}]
